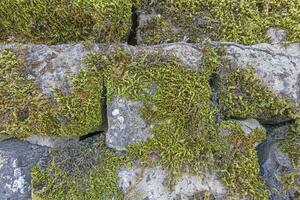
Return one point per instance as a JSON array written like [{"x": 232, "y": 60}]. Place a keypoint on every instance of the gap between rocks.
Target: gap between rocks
[
  {"x": 104, "y": 127},
  {"x": 132, "y": 38}
]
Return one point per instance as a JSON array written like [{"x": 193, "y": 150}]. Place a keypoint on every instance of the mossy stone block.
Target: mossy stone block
[{"x": 50, "y": 90}]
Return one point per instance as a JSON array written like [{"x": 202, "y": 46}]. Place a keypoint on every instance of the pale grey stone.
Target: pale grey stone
[
  {"x": 278, "y": 66},
  {"x": 52, "y": 142},
  {"x": 276, "y": 35},
  {"x": 53, "y": 66},
  {"x": 250, "y": 125},
  {"x": 125, "y": 124},
  {"x": 151, "y": 183}
]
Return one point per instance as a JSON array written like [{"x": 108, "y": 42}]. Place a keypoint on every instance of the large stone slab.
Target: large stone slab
[
  {"x": 152, "y": 184},
  {"x": 278, "y": 66}
]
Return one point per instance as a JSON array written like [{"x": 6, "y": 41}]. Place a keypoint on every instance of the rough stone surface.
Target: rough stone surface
[
  {"x": 125, "y": 124},
  {"x": 275, "y": 163},
  {"x": 277, "y": 66},
  {"x": 189, "y": 54},
  {"x": 16, "y": 160},
  {"x": 249, "y": 125},
  {"x": 151, "y": 184},
  {"x": 53, "y": 66},
  {"x": 53, "y": 142},
  {"x": 4, "y": 137},
  {"x": 276, "y": 35}
]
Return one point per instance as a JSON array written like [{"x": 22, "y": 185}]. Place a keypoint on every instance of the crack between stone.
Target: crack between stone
[
  {"x": 243, "y": 47},
  {"x": 132, "y": 38}
]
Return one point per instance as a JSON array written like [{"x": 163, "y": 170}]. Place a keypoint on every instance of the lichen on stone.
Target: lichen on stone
[
  {"x": 86, "y": 171},
  {"x": 241, "y": 21},
  {"x": 26, "y": 110},
  {"x": 58, "y": 21}
]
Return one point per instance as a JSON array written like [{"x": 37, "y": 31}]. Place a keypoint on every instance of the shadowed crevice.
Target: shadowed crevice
[{"x": 132, "y": 38}]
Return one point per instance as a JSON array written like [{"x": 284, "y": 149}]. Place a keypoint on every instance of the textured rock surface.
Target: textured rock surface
[
  {"x": 126, "y": 126},
  {"x": 277, "y": 66},
  {"x": 45, "y": 87},
  {"x": 52, "y": 142},
  {"x": 249, "y": 125},
  {"x": 52, "y": 66},
  {"x": 151, "y": 183},
  {"x": 16, "y": 160}
]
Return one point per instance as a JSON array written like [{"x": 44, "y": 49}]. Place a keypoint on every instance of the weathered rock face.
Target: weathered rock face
[
  {"x": 51, "y": 89},
  {"x": 16, "y": 160},
  {"x": 277, "y": 66},
  {"x": 126, "y": 126},
  {"x": 52, "y": 142},
  {"x": 166, "y": 107},
  {"x": 152, "y": 184},
  {"x": 277, "y": 167}
]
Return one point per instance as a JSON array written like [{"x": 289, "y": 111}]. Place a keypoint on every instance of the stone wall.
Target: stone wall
[{"x": 149, "y": 100}]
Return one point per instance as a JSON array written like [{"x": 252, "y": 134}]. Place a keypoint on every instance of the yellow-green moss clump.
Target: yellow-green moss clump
[
  {"x": 25, "y": 110},
  {"x": 239, "y": 163},
  {"x": 82, "y": 172},
  {"x": 61, "y": 21},
  {"x": 243, "y": 95},
  {"x": 177, "y": 102},
  {"x": 227, "y": 20}
]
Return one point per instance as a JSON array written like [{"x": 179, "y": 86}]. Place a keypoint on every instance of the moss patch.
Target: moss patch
[
  {"x": 239, "y": 164},
  {"x": 80, "y": 172},
  {"x": 185, "y": 131},
  {"x": 291, "y": 143},
  {"x": 27, "y": 111},
  {"x": 228, "y": 20},
  {"x": 60, "y": 21},
  {"x": 180, "y": 109}
]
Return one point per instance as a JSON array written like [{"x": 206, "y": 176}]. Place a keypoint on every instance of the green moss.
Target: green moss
[
  {"x": 291, "y": 180},
  {"x": 60, "y": 21},
  {"x": 242, "y": 94},
  {"x": 180, "y": 109},
  {"x": 25, "y": 110},
  {"x": 228, "y": 20},
  {"x": 239, "y": 164},
  {"x": 291, "y": 143},
  {"x": 185, "y": 131},
  {"x": 80, "y": 172}
]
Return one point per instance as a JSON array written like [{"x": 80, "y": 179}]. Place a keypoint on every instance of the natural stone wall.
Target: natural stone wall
[
  {"x": 244, "y": 22},
  {"x": 202, "y": 102}
]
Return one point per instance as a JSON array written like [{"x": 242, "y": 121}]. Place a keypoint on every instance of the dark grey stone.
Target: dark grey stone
[{"x": 16, "y": 160}]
